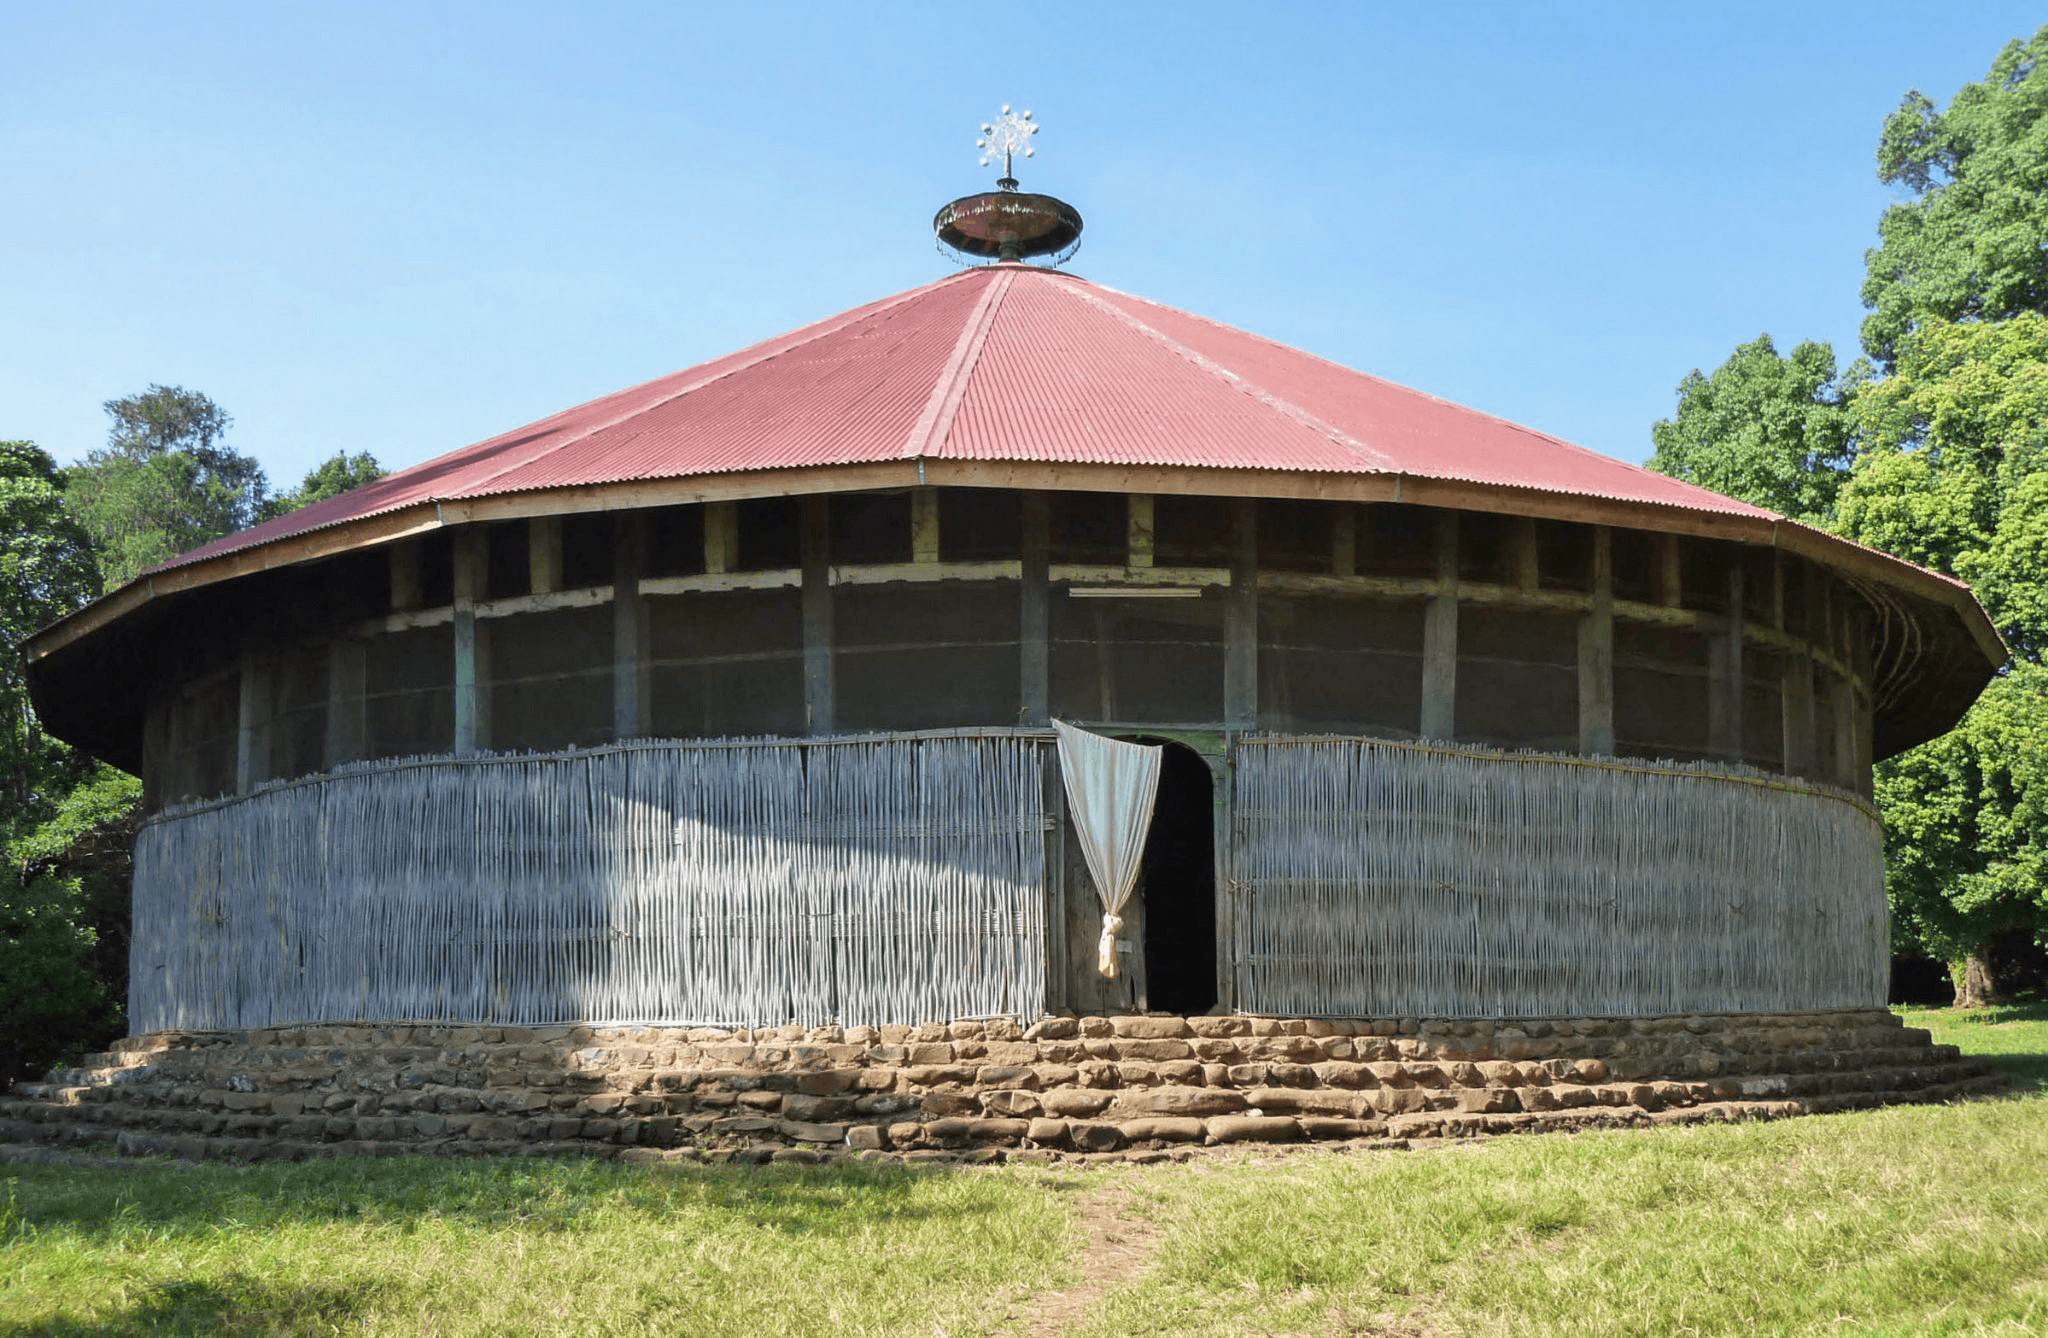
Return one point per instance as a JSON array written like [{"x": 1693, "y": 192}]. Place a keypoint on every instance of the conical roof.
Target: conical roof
[{"x": 1007, "y": 363}]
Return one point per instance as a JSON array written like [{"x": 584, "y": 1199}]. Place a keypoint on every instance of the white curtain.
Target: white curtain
[{"x": 1110, "y": 790}]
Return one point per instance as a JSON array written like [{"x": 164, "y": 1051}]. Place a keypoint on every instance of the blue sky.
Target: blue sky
[{"x": 404, "y": 228}]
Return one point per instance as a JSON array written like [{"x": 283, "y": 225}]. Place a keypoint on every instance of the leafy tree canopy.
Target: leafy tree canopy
[
  {"x": 46, "y": 571},
  {"x": 339, "y": 473},
  {"x": 1971, "y": 240},
  {"x": 163, "y": 484},
  {"x": 1771, "y": 429}
]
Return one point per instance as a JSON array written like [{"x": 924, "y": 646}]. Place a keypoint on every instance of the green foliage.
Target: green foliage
[
  {"x": 161, "y": 486},
  {"x": 51, "y": 1002},
  {"x": 1770, "y": 429},
  {"x": 1972, "y": 241},
  {"x": 46, "y": 571},
  {"x": 339, "y": 473}
]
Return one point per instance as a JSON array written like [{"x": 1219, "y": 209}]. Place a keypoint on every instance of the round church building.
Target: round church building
[{"x": 1015, "y": 661}]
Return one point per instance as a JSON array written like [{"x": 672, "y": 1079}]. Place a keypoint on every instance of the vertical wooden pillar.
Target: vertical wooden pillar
[
  {"x": 1344, "y": 540},
  {"x": 1522, "y": 552},
  {"x": 817, "y": 616},
  {"x": 1440, "y": 637},
  {"x": 1669, "y": 588},
  {"x": 1139, "y": 533},
  {"x": 924, "y": 526},
  {"x": 1240, "y": 617},
  {"x": 472, "y": 650},
  {"x": 1842, "y": 642},
  {"x": 721, "y": 537},
  {"x": 631, "y": 709},
  {"x": 1724, "y": 683},
  {"x": 1596, "y": 653},
  {"x": 1034, "y": 628},
  {"x": 405, "y": 575},
  {"x": 1796, "y": 682},
  {"x": 347, "y": 690},
  {"x": 252, "y": 724},
  {"x": 544, "y": 554}
]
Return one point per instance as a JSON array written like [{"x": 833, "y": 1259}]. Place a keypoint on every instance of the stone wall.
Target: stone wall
[{"x": 1141, "y": 1087}]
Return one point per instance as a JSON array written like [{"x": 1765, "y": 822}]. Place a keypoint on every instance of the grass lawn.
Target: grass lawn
[{"x": 1905, "y": 1221}]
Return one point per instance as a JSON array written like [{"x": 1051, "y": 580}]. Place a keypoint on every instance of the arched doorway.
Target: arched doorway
[{"x": 1177, "y": 884}]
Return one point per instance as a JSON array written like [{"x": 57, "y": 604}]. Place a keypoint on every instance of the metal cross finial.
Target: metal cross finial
[{"x": 1008, "y": 135}]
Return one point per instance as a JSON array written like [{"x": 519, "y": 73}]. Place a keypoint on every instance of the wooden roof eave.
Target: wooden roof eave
[{"x": 1385, "y": 486}]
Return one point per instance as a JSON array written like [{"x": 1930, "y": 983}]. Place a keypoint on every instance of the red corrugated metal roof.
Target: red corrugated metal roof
[{"x": 1004, "y": 363}]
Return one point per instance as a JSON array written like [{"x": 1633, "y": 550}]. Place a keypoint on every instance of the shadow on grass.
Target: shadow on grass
[
  {"x": 238, "y": 1303},
  {"x": 2013, "y": 1037},
  {"x": 167, "y": 1200}
]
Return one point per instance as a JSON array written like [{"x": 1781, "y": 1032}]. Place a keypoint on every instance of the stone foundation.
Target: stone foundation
[{"x": 1141, "y": 1087}]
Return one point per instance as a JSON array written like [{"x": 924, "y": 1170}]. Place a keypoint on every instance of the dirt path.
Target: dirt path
[{"x": 1121, "y": 1238}]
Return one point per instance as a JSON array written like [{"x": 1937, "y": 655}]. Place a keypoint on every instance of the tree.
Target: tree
[
  {"x": 1971, "y": 242},
  {"x": 46, "y": 571},
  {"x": 339, "y": 473},
  {"x": 1769, "y": 429},
  {"x": 1953, "y": 474},
  {"x": 162, "y": 485}
]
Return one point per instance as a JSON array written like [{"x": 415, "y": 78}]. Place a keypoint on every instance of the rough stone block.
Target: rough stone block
[
  {"x": 863, "y": 1137},
  {"x": 806, "y": 1132},
  {"x": 826, "y": 1082},
  {"x": 1191, "y": 1101},
  {"x": 1251, "y": 1129},
  {"x": 1330, "y": 1128},
  {"x": 1052, "y": 1133},
  {"x": 1071, "y": 1102},
  {"x": 1089, "y": 1136},
  {"x": 1170, "y": 1129},
  {"x": 1011, "y": 1102},
  {"x": 1144, "y": 1028},
  {"x": 1006, "y": 1075},
  {"x": 1489, "y": 1101}
]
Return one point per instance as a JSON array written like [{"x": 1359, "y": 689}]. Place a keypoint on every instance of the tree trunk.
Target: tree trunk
[{"x": 1975, "y": 984}]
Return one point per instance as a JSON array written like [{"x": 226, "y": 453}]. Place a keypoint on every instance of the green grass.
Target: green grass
[
  {"x": 1905, "y": 1221},
  {"x": 420, "y": 1246},
  {"x": 2012, "y": 1036}
]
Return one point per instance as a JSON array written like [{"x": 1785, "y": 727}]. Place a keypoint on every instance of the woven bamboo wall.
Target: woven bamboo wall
[
  {"x": 731, "y": 882},
  {"x": 1376, "y": 878}
]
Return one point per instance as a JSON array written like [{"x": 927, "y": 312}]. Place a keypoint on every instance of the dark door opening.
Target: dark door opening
[{"x": 1177, "y": 883}]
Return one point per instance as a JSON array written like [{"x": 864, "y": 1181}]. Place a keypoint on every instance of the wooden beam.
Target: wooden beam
[
  {"x": 1240, "y": 618},
  {"x": 252, "y": 724},
  {"x": 1724, "y": 683},
  {"x": 1139, "y": 531},
  {"x": 1034, "y": 628},
  {"x": 405, "y": 575},
  {"x": 1344, "y": 540},
  {"x": 1668, "y": 588},
  {"x": 1596, "y": 653},
  {"x": 1522, "y": 563},
  {"x": 817, "y": 616},
  {"x": 472, "y": 650},
  {"x": 544, "y": 554},
  {"x": 924, "y": 526},
  {"x": 1440, "y": 638},
  {"x": 721, "y": 537},
  {"x": 631, "y": 709},
  {"x": 347, "y": 737}
]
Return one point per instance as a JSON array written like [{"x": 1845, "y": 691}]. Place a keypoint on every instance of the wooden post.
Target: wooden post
[
  {"x": 1240, "y": 616},
  {"x": 1034, "y": 613},
  {"x": 817, "y": 616},
  {"x": 1139, "y": 531},
  {"x": 630, "y": 706},
  {"x": 1596, "y": 651},
  {"x": 1724, "y": 682},
  {"x": 1522, "y": 554},
  {"x": 721, "y": 537},
  {"x": 1669, "y": 592},
  {"x": 924, "y": 526},
  {"x": 405, "y": 575},
  {"x": 1344, "y": 540},
  {"x": 544, "y": 554},
  {"x": 252, "y": 724},
  {"x": 347, "y": 689},
  {"x": 1440, "y": 637},
  {"x": 472, "y": 650},
  {"x": 1840, "y": 641}
]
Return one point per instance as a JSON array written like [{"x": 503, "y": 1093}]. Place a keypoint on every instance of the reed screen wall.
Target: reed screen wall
[
  {"x": 725, "y": 882},
  {"x": 1376, "y": 879}
]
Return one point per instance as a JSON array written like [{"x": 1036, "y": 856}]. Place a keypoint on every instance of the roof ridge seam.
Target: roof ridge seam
[
  {"x": 950, "y": 388},
  {"x": 1375, "y": 460},
  {"x": 771, "y": 349}
]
